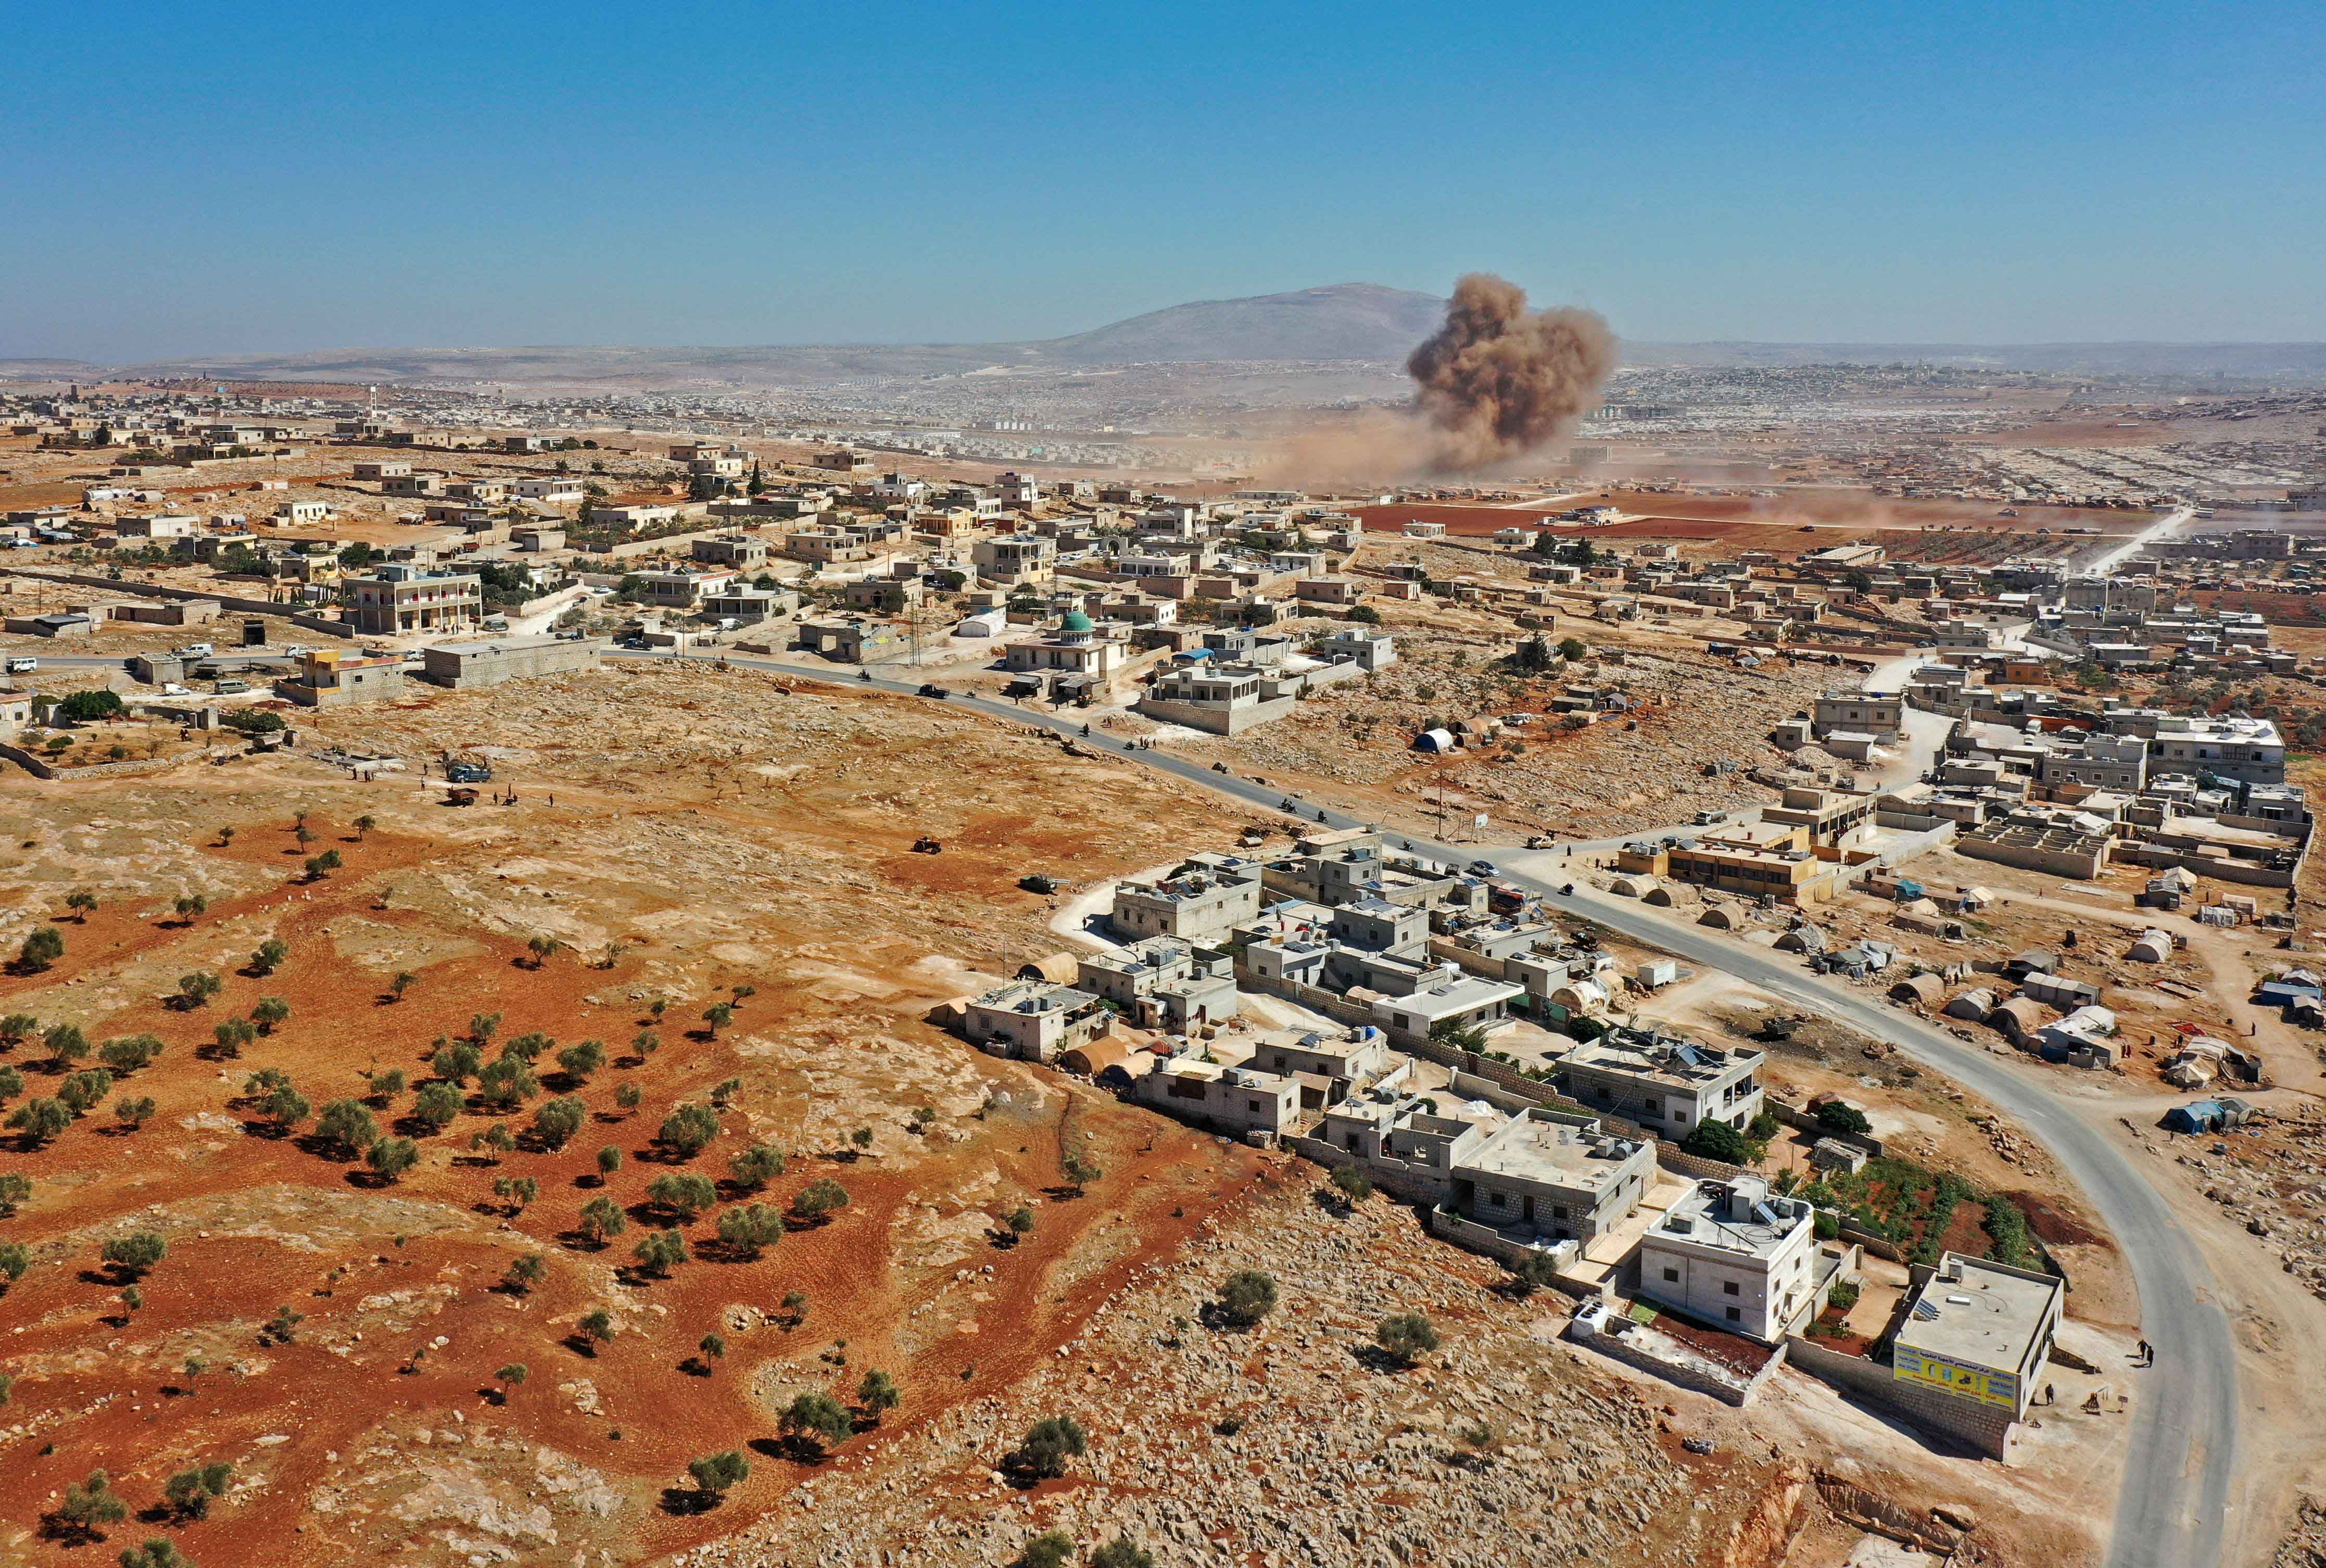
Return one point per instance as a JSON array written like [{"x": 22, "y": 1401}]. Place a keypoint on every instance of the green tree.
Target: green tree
[
  {"x": 815, "y": 1422},
  {"x": 88, "y": 1504},
  {"x": 404, "y": 982},
  {"x": 820, "y": 1198},
  {"x": 133, "y": 1113},
  {"x": 579, "y": 1061},
  {"x": 1835, "y": 1116},
  {"x": 82, "y": 903},
  {"x": 1247, "y": 1296},
  {"x": 1406, "y": 1337},
  {"x": 542, "y": 948},
  {"x": 1018, "y": 1222},
  {"x": 322, "y": 866},
  {"x": 82, "y": 706},
  {"x": 510, "y": 1377},
  {"x": 268, "y": 955},
  {"x": 232, "y": 1034},
  {"x": 683, "y": 1193},
  {"x": 628, "y": 1096},
  {"x": 18, "y": 1027},
  {"x": 717, "y": 1473},
  {"x": 1572, "y": 648},
  {"x": 688, "y": 1129},
  {"x": 189, "y": 906},
  {"x": 660, "y": 1251},
  {"x": 269, "y": 1012},
  {"x": 609, "y": 1160},
  {"x": 286, "y": 1107},
  {"x": 751, "y": 1228},
  {"x": 199, "y": 987},
  {"x": 1717, "y": 1140},
  {"x": 1455, "y": 1034},
  {"x": 84, "y": 1092},
  {"x": 597, "y": 1328},
  {"x": 65, "y": 1044},
  {"x": 41, "y": 1119},
  {"x": 602, "y": 1219},
  {"x": 347, "y": 1124},
  {"x": 14, "y": 1261},
  {"x": 878, "y": 1395},
  {"x": 524, "y": 1273},
  {"x": 15, "y": 1191},
  {"x": 129, "y": 1053},
  {"x": 41, "y": 949},
  {"x": 719, "y": 1014},
  {"x": 755, "y": 1167},
  {"x": 1079, "y": 1171},
  {"x": 1534, "y": 1272},
  {"x": 191, "y": 1491},
  {"x": 391, "y": 1157},
  {"x": 387, "y": 1085},
  {"x": 136, "y": 1253},
  {"x": 1050, "y": 1443},
  {"x": 506, "y": 1083},
  {"x": 437, "y": 1105},
  {"x": 456, "y": 1063},
  {"x": 557, "y": 1120},
  {"x": 157, "y": 1552}
]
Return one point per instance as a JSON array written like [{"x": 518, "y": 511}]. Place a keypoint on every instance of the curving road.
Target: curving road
[{"x": 2182, "y": 1452}]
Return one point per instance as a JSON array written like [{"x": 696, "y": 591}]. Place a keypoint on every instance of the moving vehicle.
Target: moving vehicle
[
  {"x": 930, "y": 688},
  {"x": 1480, "y": 868},
  {"x": 22, "y": 666},
  {"x": 193, "y": 651}
]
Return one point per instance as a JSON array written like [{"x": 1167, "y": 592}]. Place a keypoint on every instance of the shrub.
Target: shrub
[
  {"x": 189, "y": 1491},
  {"x": 1827, "y": 1225},
  {"x": 1352, "y": 1183},
  {"x": 1842, "y": 1297},
  {"x": 1122, "y": 1552},
  {"x": 1840, "y": 1117},
  {"x": 1406, "y": 1337},
  {"x": 1050, "y": 1549},
  {"x": 1764, "y": 1127},
  {"x": 1247, "y": 1296},
  {"x": 1050, "y": 1443},
  {"x": 716, "y": 1472}
]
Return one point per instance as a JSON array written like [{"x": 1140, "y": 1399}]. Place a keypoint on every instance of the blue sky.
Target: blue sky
[{"x": 276, "y": 177}]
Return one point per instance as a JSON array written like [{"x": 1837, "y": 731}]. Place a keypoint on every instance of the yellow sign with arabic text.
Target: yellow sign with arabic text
[{"x": 1911, "y": 1366}]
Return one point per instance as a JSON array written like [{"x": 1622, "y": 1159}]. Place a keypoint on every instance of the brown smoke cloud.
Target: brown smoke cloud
[{"x": 1497, "y": 382}]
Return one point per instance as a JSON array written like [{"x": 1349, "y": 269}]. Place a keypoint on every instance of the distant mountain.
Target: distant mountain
[{"x": 1344, "y": 321}]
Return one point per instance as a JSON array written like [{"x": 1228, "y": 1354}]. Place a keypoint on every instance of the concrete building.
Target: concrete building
[
  {"x": 738, "y": 551},
  {"x": 1665, "y": 1082},
  {"x": 1969, "y": 1351},
  {"x": 1015, "y": 558},
  {"x": 1080, "y": 648},
  {"x": 1880, "y": 714},
  {"x": 1239, "y": 1101},
  {"x": 1202, "y": 906},
  {"x": 466, "y": 665},
  {"x": 407, "y": 598},
  {"x": 1458, "y": 1001},
  {"x": 680, "y": 591},
  {"x": 1034, "y": 1020},
  {"x": 2248, "y": 750},
  {"x": 1330, "y": 1067},
  {"x": 1733, "y": 1255},
  {"x": 159, "y": 525},
  {"x": 336, "y": 678},
  {"x": 1552, "y": 1176},
  {"x": 1163, "y": 982}
]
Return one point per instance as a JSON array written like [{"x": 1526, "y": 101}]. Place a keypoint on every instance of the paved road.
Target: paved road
[{"x": 2184, "y": 1414}]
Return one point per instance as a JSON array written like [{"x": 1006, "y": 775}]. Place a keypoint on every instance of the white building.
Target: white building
[{"x": 1735, "y": 1256}]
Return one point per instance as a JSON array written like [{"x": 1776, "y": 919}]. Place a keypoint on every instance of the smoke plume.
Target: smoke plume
[{"x": 1498, "y": 380}]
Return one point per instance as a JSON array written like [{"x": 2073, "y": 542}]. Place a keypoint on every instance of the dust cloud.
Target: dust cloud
[{"x": 1492, "y": 385}]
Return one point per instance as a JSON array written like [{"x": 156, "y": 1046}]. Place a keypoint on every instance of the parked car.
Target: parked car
[
  {"x": 930, "y": 688},
  {"x": 1480, "y": 868},
  {"x": 22, "y": 666}
]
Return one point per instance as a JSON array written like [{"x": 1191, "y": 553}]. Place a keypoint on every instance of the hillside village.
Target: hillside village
[{"x": 2053, "y": 803}]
